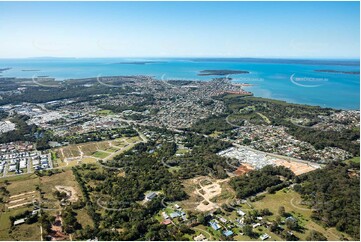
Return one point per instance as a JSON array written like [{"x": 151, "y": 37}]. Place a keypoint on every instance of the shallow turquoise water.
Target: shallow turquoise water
[{"x": 289, "y": 80}]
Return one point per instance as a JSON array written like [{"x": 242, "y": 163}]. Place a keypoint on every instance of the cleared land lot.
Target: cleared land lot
[
  {"x": 206, "y": 194},
  {"x": 297, "y": 167},
  {"x": 91, "y": 152},
  {"x": 53, "y": 183}
]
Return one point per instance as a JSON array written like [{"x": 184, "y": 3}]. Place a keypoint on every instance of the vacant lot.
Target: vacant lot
[
  {"x": 297, "y": 167},
  {"x": 27, "y": 184},
  {"x": 64, "y": 179},
  {"x": 243, "y": 169},
  {"x": 206, "y": 194}
]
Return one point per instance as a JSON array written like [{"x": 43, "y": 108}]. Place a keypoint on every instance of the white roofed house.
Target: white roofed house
[
  {"x": 149, "y": 196},
  {"x": 12, "y": 167},
  {"x": 23, "y": 163},
  {"x": 165, "y": 215},
  {"x": 240, "y": 212},
  {"x": 19, "y": 221},
  {"x": 36, "y": 162}
]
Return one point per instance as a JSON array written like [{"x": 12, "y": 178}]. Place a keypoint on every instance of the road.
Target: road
[
  {"x": 5, "y": 169},
  {"x": 28, "y": 165},
  {"x": 41, "y": 233},
  {"x": 50, "y": 161}
]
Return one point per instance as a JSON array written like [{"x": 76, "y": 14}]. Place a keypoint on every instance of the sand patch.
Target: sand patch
[
  {"x": 243, "y": 169},
  {"x": 296, "y": 167},
  {"x": 70, "y": 192}
]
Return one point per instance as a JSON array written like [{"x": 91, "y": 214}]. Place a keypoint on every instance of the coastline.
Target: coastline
[
  {"x": 245, "y": 89},
  {"x": 266, "y": 78}
]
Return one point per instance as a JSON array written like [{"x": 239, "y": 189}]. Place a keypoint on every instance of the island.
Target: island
[
  {"x": 139, "y": 62},
  {"x": 221, "y": 72},
  {"x": 340, "y": 72},
  {"x": 4, "y": 69}
]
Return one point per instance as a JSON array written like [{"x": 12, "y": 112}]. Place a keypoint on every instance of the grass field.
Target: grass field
[
  {"x": 27, "y": 232},
  {"x": 104, "y": 112},
  {"x": 112, "y": 149},
  {"x": 215, "y": 134},
  {"x": 23, "y": 184},
  {"x": 83, "y": 218},
  {"x": 264, "y": 117},
  {"x": 174, "y": 168},
  {"x": 100, "y": 154},
  {"x": 21, "y": 232},
  {"x": 354, "y": 160},
  {"x": 88, "y": 160}
]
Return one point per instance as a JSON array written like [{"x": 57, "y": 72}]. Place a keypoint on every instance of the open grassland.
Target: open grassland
[
  {"x": 26, "y": 232},
  {"x": 354, "y": 160},
  {"x": 84, "y": 218},
  {"x": 21, "y": 232},
  {"x": 22, "y": 184},
  {"x": 48, "y": 184}
]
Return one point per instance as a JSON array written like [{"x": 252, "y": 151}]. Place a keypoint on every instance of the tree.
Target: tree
[
  {"x": 201, "y": 219},
  {"x": 247, "y": 230},
  {"x": 278, "y": 219},
  {"x": 281, "y": 211},
  {"x": 265, "y": 212},
  {"x": 274, "y": 226},
  {"x": 246, "y": 141},
  {"x": 288, "y": 235},
  {"x": 291, "y": 223},
  {"x": 316, "y": 236}
]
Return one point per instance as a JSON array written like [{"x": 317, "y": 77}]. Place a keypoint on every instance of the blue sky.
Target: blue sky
[{"x": 180, "y": 29}]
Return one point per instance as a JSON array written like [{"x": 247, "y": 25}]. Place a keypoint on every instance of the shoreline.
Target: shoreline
[{"x": 241, "y": 85}]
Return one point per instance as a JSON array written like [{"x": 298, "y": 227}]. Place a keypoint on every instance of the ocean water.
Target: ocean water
[{"x": 293, "y": 81}]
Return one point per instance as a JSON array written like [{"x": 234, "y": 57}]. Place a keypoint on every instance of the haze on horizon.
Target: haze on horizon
[{"x": 180, "y": 29}]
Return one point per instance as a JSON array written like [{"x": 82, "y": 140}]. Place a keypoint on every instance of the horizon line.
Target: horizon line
[{"x": 189, "y": 57}]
